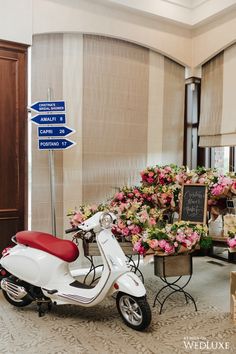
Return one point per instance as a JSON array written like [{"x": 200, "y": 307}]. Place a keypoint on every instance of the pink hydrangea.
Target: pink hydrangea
[
  {"x": 217, "y": 190},
  {"x": 169, "y": 248},
  {"x": 162, "y": 244}
]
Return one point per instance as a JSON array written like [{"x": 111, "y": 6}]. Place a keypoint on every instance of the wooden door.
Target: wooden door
[{"x": 13, "y": 133}]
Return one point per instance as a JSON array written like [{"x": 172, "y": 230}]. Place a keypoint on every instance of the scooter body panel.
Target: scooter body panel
[
  {"x": 35, "y": 266},
  {"x": 130, "y": 283}
]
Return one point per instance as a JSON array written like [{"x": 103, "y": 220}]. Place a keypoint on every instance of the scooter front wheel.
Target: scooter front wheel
[{"x": 135, "y": 311}]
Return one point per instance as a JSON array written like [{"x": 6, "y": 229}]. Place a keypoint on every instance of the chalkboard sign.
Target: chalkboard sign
[{"x": 193, "y": 205}]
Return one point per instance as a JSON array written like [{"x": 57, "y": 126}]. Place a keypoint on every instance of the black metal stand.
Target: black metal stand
[
  {"x": 93, "y": 269},
  {"x": 134, "y": 266},
  {"x": 173, "y": 285}
]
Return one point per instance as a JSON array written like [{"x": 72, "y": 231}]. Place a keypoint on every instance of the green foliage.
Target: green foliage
[{"x": 206, "y": 242}]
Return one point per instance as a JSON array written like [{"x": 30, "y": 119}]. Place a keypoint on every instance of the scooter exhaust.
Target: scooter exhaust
[{"x": 15, "y": 290}]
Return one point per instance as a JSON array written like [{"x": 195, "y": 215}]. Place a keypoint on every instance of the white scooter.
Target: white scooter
[{"x": 37, "y": 269}]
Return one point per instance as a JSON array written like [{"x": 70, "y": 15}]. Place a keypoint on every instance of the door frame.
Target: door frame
[{"x": 21, "y": 50}]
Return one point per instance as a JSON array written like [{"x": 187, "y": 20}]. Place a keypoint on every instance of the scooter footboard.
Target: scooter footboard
[{"x": 130, "y": 283}]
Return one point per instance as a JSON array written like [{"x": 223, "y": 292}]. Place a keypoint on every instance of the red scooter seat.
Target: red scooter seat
[{"x": 63, "y": 249}]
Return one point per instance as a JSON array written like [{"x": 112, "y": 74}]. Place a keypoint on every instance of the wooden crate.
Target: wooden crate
[
  {"x": 233, "y": 296},
  {"x": 233, "y": 308},
  {"x": 91, "y": 248},
  {"x": 172, "y": 266}
]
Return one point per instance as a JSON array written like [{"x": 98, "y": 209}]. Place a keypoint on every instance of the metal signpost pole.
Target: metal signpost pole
[
  {"x": 52, "y": 179},
  {"x": 51, "y": 137}
]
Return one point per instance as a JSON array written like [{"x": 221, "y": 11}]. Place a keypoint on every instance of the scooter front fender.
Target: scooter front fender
[{"x": 130, "y": 283}]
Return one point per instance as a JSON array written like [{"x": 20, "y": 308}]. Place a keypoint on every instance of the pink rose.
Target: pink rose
[
  {"x": 151, "y": 174},
  {"x": 150, "y": 180},
  {"x": 120, "y": 224},
  {"x": 139, "y": 248},
  {"x": 154, "y": 244},
  {"x": 78, "y": 218},
  {"x": 143, "y": 216},
  {"x": 152, "y": 221},
  {"x": 233, "y": 187},
  {"x": 201, "y": 180}
]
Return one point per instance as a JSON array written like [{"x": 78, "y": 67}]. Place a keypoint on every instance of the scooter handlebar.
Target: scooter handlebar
[{"x": 72, "y": 229}]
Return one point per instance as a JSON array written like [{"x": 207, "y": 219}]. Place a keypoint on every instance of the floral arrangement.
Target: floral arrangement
[
  {"x": 79, "y": 215},
  {"x": 231, "y": 240},
  {"x": 161, "y": 175},
  {"x": 173, "y": 177},
  {"x": 142, "y": 211},
  {"x": 179, "y": 237},
  {"x": 136, "y": 210}
]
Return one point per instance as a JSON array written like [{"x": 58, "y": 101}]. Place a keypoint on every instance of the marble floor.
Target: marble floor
[{"x": 179, "y": 329}]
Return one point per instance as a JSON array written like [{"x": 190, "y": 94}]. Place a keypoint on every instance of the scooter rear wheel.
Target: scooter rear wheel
[
  {"x": 135, "y": 311},
  {"x": 16, "y": 302},
  {"x": 13, "y": 300}
]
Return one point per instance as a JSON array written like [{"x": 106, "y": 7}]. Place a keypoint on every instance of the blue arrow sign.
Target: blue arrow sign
[
  {"x": 54, "y": 131},
  {"x": 55, "y": 144},
  {"x": 49, "y": 119},
  {"x": 49, "y": 106}
]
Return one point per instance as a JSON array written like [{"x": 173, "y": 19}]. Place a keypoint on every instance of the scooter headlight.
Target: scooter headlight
[{"x": 106, "y": 220}]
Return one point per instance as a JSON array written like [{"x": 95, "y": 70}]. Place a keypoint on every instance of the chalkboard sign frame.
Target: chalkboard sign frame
[{"x": 202, "y": 189}]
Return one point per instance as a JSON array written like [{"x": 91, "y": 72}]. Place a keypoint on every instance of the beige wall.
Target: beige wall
[
  {"x": 189, "y": 46},
  {"x": 19, "y": 20},
  {"x": 208, "y": 40},
  {"x": 82, "y": 16},
  {"x": 115, "y": 114},
  {"x": 173, "y": 113},
  {"x": 116, "y": 95},
  {"x": 16, "y": 21},
  {"x": 155, "y": 108},
  {"x": 165, "y": 111}
]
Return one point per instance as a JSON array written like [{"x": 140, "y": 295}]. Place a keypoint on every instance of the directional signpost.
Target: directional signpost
[
  {"x": 55, "y": 144},
  {"x": 49, "y": 106},
  {"x": 49, "y": 119},
  {"x": 52, "y": 131}
]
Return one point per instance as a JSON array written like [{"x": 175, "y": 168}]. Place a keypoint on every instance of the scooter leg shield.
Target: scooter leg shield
[{"x": 130, "y": 283}]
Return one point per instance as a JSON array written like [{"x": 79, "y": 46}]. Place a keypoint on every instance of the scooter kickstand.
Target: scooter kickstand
[
  {"x": 40, "y": 309},
  {"x": 41, "y": 312}
]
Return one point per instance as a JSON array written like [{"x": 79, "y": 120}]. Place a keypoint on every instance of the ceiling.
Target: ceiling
[{"x": 187, "y": 13}]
